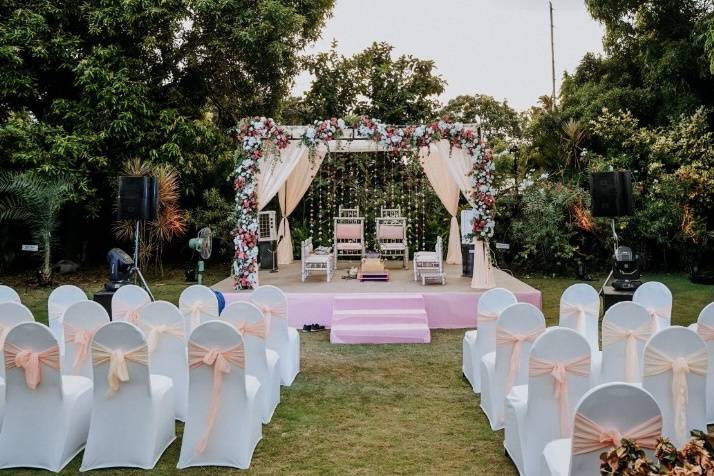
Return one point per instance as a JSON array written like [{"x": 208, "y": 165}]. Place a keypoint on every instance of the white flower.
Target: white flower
[
  {"x": 419, "y": 131},
  {"x": 310, "y": 133},
  {"x": 340, "y": 123},
  {"x": 396, "y": 139}
]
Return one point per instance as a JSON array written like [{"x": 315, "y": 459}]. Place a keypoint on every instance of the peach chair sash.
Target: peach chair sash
[
  {"x": 196, "y": 309},
  {"x": 506, "y": 337},
  {"x": 55, "y": 311},
  {"x": 31, "y": 362},
  {"x": 280, "y": 310},
  {"x": 705, "y": 332},
  {"x": 487, "y": 317},
  {"x": 4, "y": 330},
  {"x": 656, "y": 313},
  {"x": 657, "y": 362},
  {"x": 256, "y": 329},
  {"x": 221, "y": 361},
  {"x": 153, "y": 332},
  {"x": 612, "y": 333},
  {"x": 580, "y": 312},
  {"x": 118, "y": 360},
  {"x": 82, "y": 338},
  {"x": 589, "y": 436},
  {"x": 559, "y": 371},
  {"x": 125, "y": 311}
]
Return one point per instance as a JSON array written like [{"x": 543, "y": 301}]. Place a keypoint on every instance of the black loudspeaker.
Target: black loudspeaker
[
  {"x": 265, "y": 253},
  {"x": 138, "y": 198},
  {"x": 611, "y": 194}
]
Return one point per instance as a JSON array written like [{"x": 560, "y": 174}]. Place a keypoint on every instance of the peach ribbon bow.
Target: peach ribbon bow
[
  {"x": 153, "y": 332},
  {"x": 559, "y": 371},
  {"x": 657, "y": 362},
  {"x": 196, "y": 309},
  {"x": 256, "y": 329},
  {"x": 506, "y": 337},
  {"x": 221, "y": 361},
  {"x": 705, "y": 332},
  {"x": 589, "y": 436},
  {"x": 580, "y": 312},
  {"x": 30, "y": 362},
  {"x": 656, "y": 314},
  {"x": 82, "y": 338},
  {"x": 126, "y": 312},
  {"x": 612, "y": 333},
  {"x": 118, "y": 363}
]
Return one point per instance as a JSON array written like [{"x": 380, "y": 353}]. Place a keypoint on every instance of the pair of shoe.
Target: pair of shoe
[{"x": 312, "y": 327}]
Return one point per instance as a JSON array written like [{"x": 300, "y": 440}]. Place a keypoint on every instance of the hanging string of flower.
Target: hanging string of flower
[{"x": 260, "y": 136}]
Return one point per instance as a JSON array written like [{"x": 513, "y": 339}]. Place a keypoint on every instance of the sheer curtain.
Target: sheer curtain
[{"x": 448, "y": 192}]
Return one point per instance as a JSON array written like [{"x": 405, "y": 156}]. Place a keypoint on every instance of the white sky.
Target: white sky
[{"x": 495, "y": 47}]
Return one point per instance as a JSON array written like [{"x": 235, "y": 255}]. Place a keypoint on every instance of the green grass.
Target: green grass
[{"x": 374, "y": 409}]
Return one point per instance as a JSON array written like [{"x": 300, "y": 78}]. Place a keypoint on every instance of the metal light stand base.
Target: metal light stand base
[
  {"x": 136, "y": 270},
  {"x": 616, "y": 244}
]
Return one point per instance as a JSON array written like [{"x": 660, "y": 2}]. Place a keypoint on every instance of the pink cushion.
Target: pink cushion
[
  {"x": 349, "y": 246},
  {"x": 349, "y": 231},
  {"x": 391, "y": 232}
]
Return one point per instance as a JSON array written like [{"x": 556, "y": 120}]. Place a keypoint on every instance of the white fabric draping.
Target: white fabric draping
[
  {"x": 483, "y": 277},
  {"x": 459, "y": 166},
  {"x": 291, "y": 193},
  {"x": 274, "y": 169},
  {"x": 448, "y": 191}
]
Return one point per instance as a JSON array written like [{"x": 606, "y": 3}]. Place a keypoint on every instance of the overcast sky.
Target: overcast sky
[{"x": 495, "y": 47}]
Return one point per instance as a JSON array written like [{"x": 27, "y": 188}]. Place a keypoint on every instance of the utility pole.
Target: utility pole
[{"x": 552, "y": 51}]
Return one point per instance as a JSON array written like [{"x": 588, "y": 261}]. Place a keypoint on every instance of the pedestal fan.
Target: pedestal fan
[{"x": 202, "y": 244}]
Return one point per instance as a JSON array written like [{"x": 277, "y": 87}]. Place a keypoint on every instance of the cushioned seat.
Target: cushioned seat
[{"x": 349, "y": 246}]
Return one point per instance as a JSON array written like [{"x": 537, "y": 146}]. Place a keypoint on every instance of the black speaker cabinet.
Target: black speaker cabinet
[
  {"x": 611, "y": 194},
  {"x": 138, "y": 198},
  {"x": 265, "y": 253},
  {"x": 104, "y": 297},
  {"x": 467, "y": 259}
]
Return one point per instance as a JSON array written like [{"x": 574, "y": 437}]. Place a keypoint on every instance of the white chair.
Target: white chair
[
  {"x": 482, "y": 340},
  {"x": 7, "y": 294},
  {"x": 11, "y": 314},
  {"x": 223, "y": 424},
  {"x": 559, "y": 375},
  {"x": 705, "y": 328},
  {"x": 132, "y": 411},
  {"x": 60, "y": 299},
  {"x": 127, "y": 302},
  {"x": 429, "y": 262},
  {"x": 261, "y": 362},
  {"x": 391, "y": 232},
  {"x": 657, "y": 299},
  {"x": 47, "y": 414},
  {"x": 675, "y": 372},
  {"x": 626, "y": 327},
  {"x": 516, "y": 329},
  {"x": 198, "y": 304},
  {"x": 164, "y": 328},
  {"x": 603, "y": 416},
  {"x": 282, "y": 339},
  {"x": 349, "y": 235},
  {"x": 311, "y": 263},
  {"x": 81, "y": 321},
  {"x": 580, "y": 310}
]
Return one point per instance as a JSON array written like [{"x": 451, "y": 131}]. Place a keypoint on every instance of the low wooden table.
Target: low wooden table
[
  {"x": 372, "y": 269},
  {"x": 433, "y": 278}
]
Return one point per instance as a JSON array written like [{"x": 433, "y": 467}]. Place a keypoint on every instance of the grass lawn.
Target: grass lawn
[{"x": 373, "y": 409}]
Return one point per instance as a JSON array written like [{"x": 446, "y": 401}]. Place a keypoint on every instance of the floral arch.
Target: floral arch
[{"x": 261, "y": 140}]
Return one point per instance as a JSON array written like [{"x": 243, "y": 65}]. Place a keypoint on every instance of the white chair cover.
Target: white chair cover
[
  {"x": 7, "y": 294},
  {"x": 261, "y": 362},
  {"x": 132, "y": 411},
  {"x": 81, "y": 321},
  {"x": 60, "y": 299},
  {"x": 48, "y": 415},
  {"x": 223, "y": 424},
  {"x": 11, "y": 314},
  {"x": 626, "y": 327},
  {"x": 127, "y": 302},
  {"x": 705, "y": 328},
  {"x": 675, "y": 370},
  {"x": 580, "y": 310},
  {"x": 482, "y": 340},
  {"x": 282, "y": 339},
  {"x": 657, "y": 299},
  {"x": 198, "y": 304},
  {"x": 559, "y": 375},
  {"x": 516, "y": 329},
  {"x": 165, "y": 331},
  {"x": 605, "y": 414}
]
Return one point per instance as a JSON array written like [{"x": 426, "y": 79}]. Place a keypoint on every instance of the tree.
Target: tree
[{"x": 498, "y": 119}]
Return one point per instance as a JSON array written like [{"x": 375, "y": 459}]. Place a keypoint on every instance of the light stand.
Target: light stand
[
  {"x": 616, "y": 241},
  {"x": 136, "y": 270},
  {"x": 274, "y": 251}
]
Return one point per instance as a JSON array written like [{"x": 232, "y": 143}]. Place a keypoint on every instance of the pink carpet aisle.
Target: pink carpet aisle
[{"x": 452, "y": 306}]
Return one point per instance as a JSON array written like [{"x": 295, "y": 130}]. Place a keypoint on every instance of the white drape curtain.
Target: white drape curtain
[
  {"x": 459, "y": 166},
  {"x": 446, "y": 188},
  {"x": 273, "y": 170}
]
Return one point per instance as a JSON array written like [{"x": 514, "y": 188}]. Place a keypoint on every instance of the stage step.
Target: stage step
[{"x": 379, "y": 318}]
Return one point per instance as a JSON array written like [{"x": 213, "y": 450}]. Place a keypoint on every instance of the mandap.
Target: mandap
[{"x": 279, "y": 160}]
